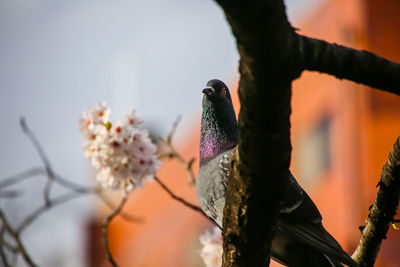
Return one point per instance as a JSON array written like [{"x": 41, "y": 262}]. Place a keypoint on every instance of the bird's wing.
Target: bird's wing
[
  {"x": 301, "y": 220},
  {"x": 211, "y": 185},
  {"x": 297, "y": 206},
  {"x": 315, "y": 236},
  {"x": 223, "y": 165}
]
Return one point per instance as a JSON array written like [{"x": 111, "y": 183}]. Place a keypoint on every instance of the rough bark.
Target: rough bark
[
  {"x": 347, "y": 63},
  {"x": 382, "y": 212},
  {"x": 272, "y": 55},
  {"x": 266, "y": 44}
]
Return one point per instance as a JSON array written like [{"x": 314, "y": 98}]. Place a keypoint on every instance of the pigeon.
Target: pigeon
[{"x": 300, "y": 238}]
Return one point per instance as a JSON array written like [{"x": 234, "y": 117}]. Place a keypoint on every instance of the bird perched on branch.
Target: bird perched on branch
[{"x": 300, "y": 239}]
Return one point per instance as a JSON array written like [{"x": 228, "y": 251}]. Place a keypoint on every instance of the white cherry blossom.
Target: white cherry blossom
[
  {"x": 212, "y": 248},
  {"x": 98, "y": 114},
  {"x": 123, "y": 153}
]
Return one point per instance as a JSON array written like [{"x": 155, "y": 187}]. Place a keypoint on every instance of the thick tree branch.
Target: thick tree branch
[
  {"x": 347, "y": 63},
  {"x": 268, "y": 49},
  {"x": 382, "y": 212}
]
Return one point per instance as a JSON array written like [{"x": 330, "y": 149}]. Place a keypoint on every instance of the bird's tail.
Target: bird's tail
[{"x": 336, "y": 263}]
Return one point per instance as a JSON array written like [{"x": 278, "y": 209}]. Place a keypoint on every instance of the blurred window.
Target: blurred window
[{"x": 315, "y": 154}]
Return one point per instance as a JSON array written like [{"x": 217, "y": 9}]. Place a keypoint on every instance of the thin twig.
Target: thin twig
[
  {"x": 77, "y": 188},
  {"x": 98, "y": 191},
  {"x": 65, "y": 198},
  {"x": 17, "y": 239},
  {"x": 187, "y": 165},
  {"x": 7, "y": 245},
  {"x": 14, "y": 259},
  {"x": 43, "y": 157},
  {"x": 184, "y": 202},
  {"x": 111, "y": 205},
  {"x": 3, "y": 255},
  {"x": 104, "y": 228},
  {"x": 172, "y": 153},
  {"x": 75, "y": 191},
  {"x": 179, "y": 199},
  {"x": 29, "y": 173},
  {"x": 42, "y": 209},
  {"x": 32, "y": 172},
  {"x": 173, "y": 129},
  {"x": 10, "y": 194}
]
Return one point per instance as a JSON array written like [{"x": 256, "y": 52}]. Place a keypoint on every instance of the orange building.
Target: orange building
[{"x": 341, "y": 132}]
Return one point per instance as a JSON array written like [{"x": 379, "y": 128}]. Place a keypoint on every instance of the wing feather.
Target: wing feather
[{"x": 315, "y": 236}]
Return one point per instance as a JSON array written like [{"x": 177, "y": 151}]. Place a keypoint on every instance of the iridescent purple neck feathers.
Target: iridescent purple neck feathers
[{"x": 219, "y": 131}]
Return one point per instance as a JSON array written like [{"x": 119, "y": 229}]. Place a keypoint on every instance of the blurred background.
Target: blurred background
[{"x": 57, "y": 58}]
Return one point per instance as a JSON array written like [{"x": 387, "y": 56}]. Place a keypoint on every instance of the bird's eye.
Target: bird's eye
[{"x": 223, "y": 92}]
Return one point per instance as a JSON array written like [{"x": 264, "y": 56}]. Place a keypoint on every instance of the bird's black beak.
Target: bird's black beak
[{"x": 208, "y": 91}]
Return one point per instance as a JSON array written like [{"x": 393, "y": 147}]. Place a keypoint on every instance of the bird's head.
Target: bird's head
[
  {"x": 219, "y": 131},
  {"x": 216, "y": 93}
]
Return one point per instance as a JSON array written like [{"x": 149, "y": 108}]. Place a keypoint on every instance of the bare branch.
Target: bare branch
[
  {"x": 77, "y": 188},
  {"x": 187, "y": 165},
  {"x": 104, "y": 228},
  {"x": 43, "y": 157},
  {"x": 10, "y": 194},
  {"x": 67, "y": 197},
  {"x": 6, "y": 244},
  {"x": 17, "y": 239},
  {"x": 75, "y": 191},
  {"x": 382, "y": 212},
  {"x": 173, "y": 154},
  {"x": 126, "y": 216},
  {"x": 184, "y": 202},
  {"x": 32, "y": 172},
  {"x": 181, "y": 200},
  {"x": 14, "y": 258},
  {"x": 3, "y": 255},
  {"x": 39, "y": 211},
  {"x": 14, "y": 179},
  {"x": 173, "y": 129},
  {"x": 347, "y": 63}
]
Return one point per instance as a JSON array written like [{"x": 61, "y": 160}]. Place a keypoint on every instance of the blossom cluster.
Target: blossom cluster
[
  {"x": 212, "y": 248},
  {"x": 123, "y": 153}
]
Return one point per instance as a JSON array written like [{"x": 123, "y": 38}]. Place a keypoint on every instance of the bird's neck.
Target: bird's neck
[{"x": 218, "y": 132}]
